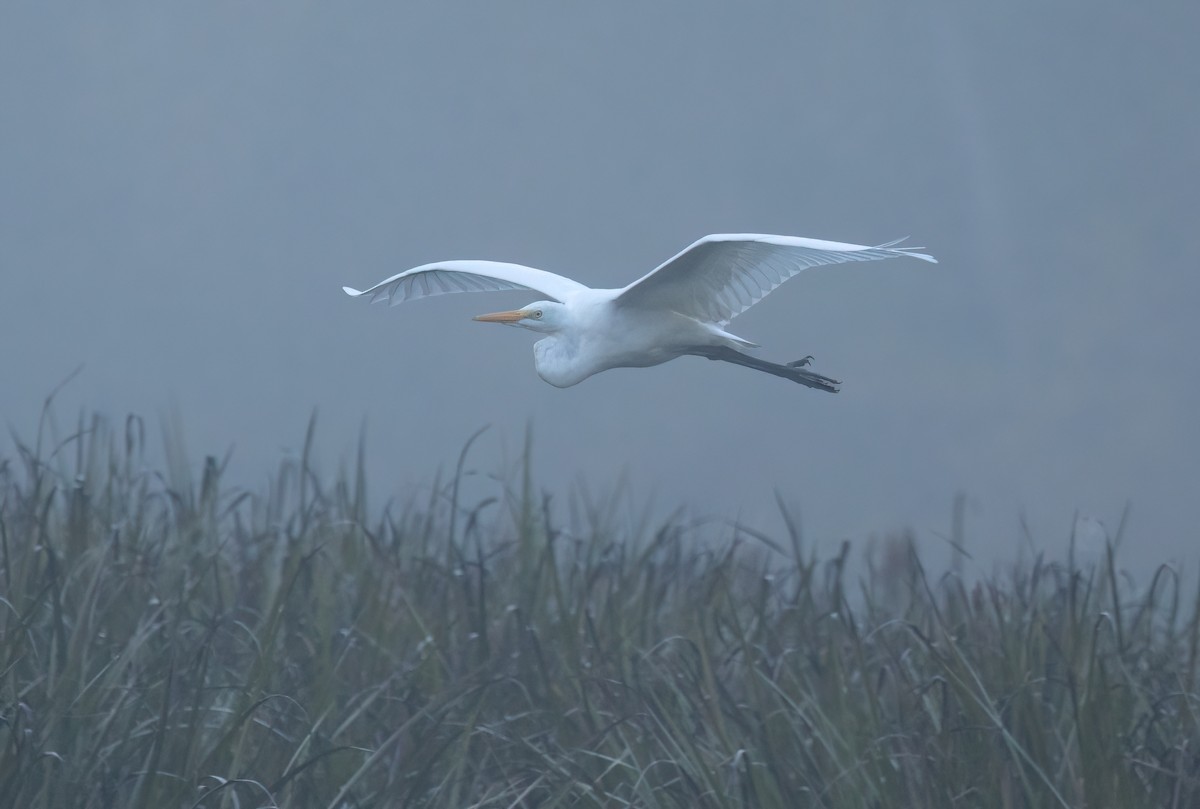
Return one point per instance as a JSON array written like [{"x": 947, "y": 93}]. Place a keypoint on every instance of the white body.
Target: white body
[
  {"x": 681, "y": 307},
  {"x": 601, "y": 334}
]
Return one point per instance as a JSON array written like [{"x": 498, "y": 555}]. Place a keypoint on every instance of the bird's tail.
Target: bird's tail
[{"x": 731, "y": 340}]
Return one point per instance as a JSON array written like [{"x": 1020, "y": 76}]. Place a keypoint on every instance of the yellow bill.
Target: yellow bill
[{"x": 511, "y": 316}]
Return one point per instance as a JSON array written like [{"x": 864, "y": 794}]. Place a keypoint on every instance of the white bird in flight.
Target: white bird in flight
[{"x": 680, "y": 308}]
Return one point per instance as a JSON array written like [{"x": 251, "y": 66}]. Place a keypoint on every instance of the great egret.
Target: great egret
[{"x": 680, "y": 308}]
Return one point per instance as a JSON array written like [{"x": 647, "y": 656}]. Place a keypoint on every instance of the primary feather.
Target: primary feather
[
  {"x": 444, "y": 277},
  {"x": 720, "y": 276}
]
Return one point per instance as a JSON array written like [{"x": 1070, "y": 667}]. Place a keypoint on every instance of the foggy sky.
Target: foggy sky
[{"x": 184, "y": 188}]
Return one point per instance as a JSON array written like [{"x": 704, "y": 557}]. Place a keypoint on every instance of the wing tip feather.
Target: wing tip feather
[
  {"x": 352, "y": 292},
  {"x": 894, "y": 247}
]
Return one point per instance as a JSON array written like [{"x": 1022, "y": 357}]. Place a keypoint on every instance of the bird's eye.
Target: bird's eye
[{"x": 537, "y": 314}]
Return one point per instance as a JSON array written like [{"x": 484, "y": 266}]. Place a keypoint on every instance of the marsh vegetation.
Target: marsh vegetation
[{"x": 168, "y": 640}]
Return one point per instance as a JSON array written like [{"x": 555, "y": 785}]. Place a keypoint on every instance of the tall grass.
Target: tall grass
[{"x": 169, "y": 641}]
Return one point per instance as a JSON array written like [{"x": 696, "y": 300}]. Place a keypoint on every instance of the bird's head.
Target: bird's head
[{"x": 543, "y": 316}]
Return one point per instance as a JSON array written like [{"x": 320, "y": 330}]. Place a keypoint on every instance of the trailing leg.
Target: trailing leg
[{"x": 793, "y": 371}]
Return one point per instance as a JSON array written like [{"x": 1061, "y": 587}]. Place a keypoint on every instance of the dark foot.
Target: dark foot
[{"x": 800, "y": 363}]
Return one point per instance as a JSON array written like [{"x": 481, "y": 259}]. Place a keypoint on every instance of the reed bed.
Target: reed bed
[{"x": 167, "y": 640}]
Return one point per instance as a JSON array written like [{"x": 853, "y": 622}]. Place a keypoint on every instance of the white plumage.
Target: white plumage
[{"x": 680, "y": 308}]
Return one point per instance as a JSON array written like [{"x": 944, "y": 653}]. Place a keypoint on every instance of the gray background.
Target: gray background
[{"x": 185, "y": 187}]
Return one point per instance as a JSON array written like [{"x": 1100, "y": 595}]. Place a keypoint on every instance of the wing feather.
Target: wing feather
[
  {"x": 720, "y": 276},
  {"x": 445, "y": 277}
]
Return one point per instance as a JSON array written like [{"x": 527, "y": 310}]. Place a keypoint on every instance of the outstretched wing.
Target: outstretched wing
[
  {"x": 443, "y": 277},
  {"x": 720, "y": 276}
]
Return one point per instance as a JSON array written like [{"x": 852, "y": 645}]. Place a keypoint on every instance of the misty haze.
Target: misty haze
[{"x": 271, "y": 546}]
